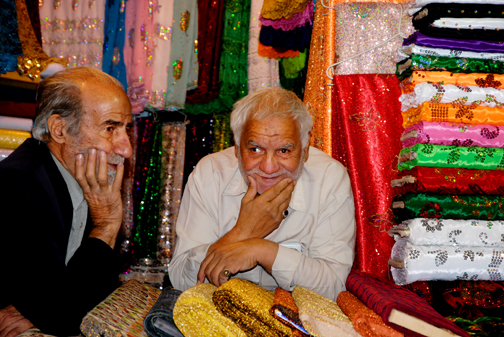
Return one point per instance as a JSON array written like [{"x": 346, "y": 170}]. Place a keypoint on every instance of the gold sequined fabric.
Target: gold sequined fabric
[
  {"x": 34, "y": 60},
  {"x": 122, "y": 312},
  {"x": 282, "y": 9},
  {"x": 320, "y": 315},
  {"x": 365, "y": 321},
  {"x": 195, "y": 314},
  {"x": 33, "y": 333},
  {"x": 11, "y": 139},
  {"x": 248, "y": 305}
]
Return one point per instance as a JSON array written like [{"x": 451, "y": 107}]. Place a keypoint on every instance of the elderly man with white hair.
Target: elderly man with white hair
[{"x": 271, "y": 210}]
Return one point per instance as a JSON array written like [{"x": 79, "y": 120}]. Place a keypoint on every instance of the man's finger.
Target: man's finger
[
  {"x": 102, "y": 169},
  {"x": 251, "y": 191},
  {"x": 118, "y": 177},
  {"x": 91, "y": 168},
  {"x": 201, "y": 272},
  {"x": 79, "y": 171},
  {"x": 274, "y": 191},
  {"x": 284, "y": 195}
]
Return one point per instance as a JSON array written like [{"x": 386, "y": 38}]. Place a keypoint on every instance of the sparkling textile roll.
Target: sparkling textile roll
[
  {"x": 442, "y": 180},
  {"x": 284, "y": 309},
  {"x": 446, "y": 206},
  {"x": 446, "y": 263},
  {"x": 440, "y": 112},
  {"x": 456, "y": 95},
  {"x": 460, "y": 79},
  {"x": 276, "y": 10},
  {"x": 465, "y": 45},
  {"x": 474, "y": 157},
  {"x": 446, "y": 232},
  {"x": 159, "y": 321},
  {"x": 16, "y": 123},
  {"x": 458, "y": 134},
  {"x": 11, "y": 139},
  {"x": 172, "y": 174},
  {"x": 365, "y": 321},
  {"x": 413, "y": 49},
  {"x": 248, "y": 305},
  {"x": 320, "y": 315},
  {"x": 452, "y": 64},
  {"x": 4, "y": 153},
  {"x": 122, "y": 312},
  {"x": 195, "y": 314}
]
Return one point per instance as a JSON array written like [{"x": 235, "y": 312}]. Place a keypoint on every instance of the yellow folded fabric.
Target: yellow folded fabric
[
  {"x": 195, "y": 314},
  {"x": 282, "y": 9},
  {"x": 11, "y": 139},
  {"x": 443, "y": 112},
  {"x": 248, "y": 305},
  {"x": 445, "y": 77},
  {"x": 321, "y": 316}
]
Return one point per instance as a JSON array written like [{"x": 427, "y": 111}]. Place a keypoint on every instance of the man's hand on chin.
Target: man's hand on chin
[
  {"x": 12, "y": 323},
  {"x": 236, "y": 257}
]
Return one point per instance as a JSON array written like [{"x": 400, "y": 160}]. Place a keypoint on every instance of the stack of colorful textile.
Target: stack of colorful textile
[
  {"x": 450, "y": 186},
  {"x": 13, "y": 132},
  {"x": 286, "y": 34}
]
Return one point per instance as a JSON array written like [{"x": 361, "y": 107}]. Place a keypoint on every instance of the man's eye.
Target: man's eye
[
  {"x": 254, "y": 149},
  {"x": 109, "y": 128},
  {"x": 284, "y": 151}
]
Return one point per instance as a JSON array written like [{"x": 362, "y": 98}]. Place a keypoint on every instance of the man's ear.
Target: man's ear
[{"x": 57, "y": 128}]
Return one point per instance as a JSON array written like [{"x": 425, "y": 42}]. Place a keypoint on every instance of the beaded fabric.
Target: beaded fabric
[
  {"x": 196, "y": 315},
  {"x": 248, "y": 305}
]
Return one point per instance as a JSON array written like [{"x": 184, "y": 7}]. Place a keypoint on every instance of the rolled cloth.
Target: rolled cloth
[
  {"x": 248, "y": 305},
  {"x": 15, "y": 123},
  {"x": 284, "y": 305},
  {"x": 159, "y": 321},
  {"x": 365, "y": 321},
  {"x": 321, "y": 316},
  {"x": 196, "y": 315},
  {"x": 4, "y": 153},
  {"x": 11, "y": 139}
]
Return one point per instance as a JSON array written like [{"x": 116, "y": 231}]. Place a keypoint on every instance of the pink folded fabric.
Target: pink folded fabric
[{"x": 297, "y": 20}]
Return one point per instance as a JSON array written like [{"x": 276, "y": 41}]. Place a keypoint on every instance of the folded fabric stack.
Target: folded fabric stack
[
  {"x": 450, "y": 187},
  {"x": 286, "y": 34},
  {"x": 13, "y": 132}
]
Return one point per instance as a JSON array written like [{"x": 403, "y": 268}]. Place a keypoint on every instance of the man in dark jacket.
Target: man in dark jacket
[{"x": 60, "y": 204}]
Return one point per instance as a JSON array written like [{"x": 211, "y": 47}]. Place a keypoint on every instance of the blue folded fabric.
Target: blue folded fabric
[{"x": 159, "y": 321}]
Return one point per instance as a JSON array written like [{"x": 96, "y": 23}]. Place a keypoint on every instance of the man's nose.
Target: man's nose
[
  {"x": 122, "y": 145},
  {"x": 269, "y": 164}
]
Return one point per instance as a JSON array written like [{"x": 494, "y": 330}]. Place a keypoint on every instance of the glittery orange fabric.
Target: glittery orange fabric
[
  {"x": 34, "y": 60},
  {"x": 278, "y": 9},
  {"x": 271, "y": 52},
  {"x": 285, "y": 303},
  {"x": 364, "y": 320},
  {"x": 318, "y": 93},
  {"x": 445, "y": 77}
]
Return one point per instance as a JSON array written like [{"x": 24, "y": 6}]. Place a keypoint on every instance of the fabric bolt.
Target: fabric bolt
[
  {"x": 320, "y": 315},
  {"x": 262, "y": 72},
  {"x": 452, "y": 64},
  {"x": 383, "y": 297},
  {"x": 422, "y": 3},
  {"x": 122, "y": 312},
  {"x": 466, "y": 96},
  {"x": 248, "y": 305},
  {"x": 11, "y": 139},
  {"x": 292, "y": 66},
  {"x": 138, "y": 53},
  {"x": 74, "y": 33},
  {"x": 222, "y": 134},
  {"x": 448, "y": 78},
  {"x": 113, "y": 44},
  {"x": 297, "y": 20},
  {"x": 233, "y": 61},
  {"x": 446, "y": 263},
  {"x": 457, "y": 134},
  {"x": 276, "y": 10},
  {"x": 16, "y": 123},
  {"x": 195, "y": 314},
  {"x": 473, "y": 157},
  {"x": 296, "y": 39},
  {"x": 482, "y": 326},
  {"x": 365, "y": 321},
  {"x": 423, "y": 40},
  {"x": 4, "y": 153},
  {"x": 366, "y": 134},
  {"x": 435, "y": 11},
  {"x": 368, "y": 36},
  {"x": 33, "y": 11},
  {"x": 474, "y": 23},
  {"x": 448, "y": 206},
  {"x": 452, "y": 113},
  {"x": 446, "y": 232},
  {"x": 34, "y": 60},
  {"x": 413, "y": 49},
  {"x": 294, "y": 81},
  {"x": 210, "y": 27},
  {"x": 271, "y": 52},
  {"x": 183, "y": 64},
  {"x": 390, "y": 1},
  {"x": 284, "y": 310},
  {"x": 318, "y": 94},
  {"x": 10, "y": 44},
  {"x": 162, "y": 311},
  {"x": 423, "y": 179}
]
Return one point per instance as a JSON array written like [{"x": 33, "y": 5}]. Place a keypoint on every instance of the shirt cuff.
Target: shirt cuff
[{"x": 285, "y": 266}]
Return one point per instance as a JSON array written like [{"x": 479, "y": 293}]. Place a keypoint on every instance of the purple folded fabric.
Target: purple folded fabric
[{"x": 423, "y": 40}]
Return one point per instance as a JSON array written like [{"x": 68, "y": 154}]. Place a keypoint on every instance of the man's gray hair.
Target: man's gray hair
[
  {"x": 60, "y": 94},
  {"x": 271, "y": 102}
]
